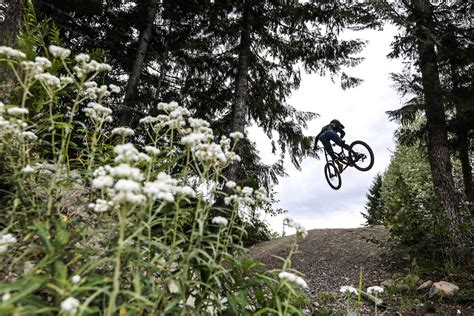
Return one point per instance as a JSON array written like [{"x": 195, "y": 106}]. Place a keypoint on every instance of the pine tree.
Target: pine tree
[
  {"x": 418, "y": 21},
  {"x": 375, "y": 207}
]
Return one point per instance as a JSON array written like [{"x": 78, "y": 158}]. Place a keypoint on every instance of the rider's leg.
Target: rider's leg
[
  {"x": 338, "y": 140},
  {"x": 324, "y": 138}
]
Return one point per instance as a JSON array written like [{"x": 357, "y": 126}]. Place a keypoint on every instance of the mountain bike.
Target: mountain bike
[{"x": 360, "y": 156}]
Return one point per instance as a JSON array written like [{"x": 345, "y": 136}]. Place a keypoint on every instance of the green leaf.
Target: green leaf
[
  {"x": 44, "y": 237},
  {"x": 22, "y": 288}
]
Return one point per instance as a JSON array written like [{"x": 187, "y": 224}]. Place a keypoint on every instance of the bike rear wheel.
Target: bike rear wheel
[
  {"x": 361, "y": 156},
  {"x": 333, "y": 177}
]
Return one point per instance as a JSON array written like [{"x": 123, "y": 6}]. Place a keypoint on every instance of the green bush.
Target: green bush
[{"x": 97, "y": 224}]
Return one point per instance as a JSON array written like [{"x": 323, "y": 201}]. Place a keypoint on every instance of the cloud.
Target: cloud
[{"x": 305, "y": 194}]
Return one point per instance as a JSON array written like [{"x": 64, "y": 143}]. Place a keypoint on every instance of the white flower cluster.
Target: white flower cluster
[
  {"x": 59, "y": 52},
  {"x": 11, "y": 52},
  {"x": 36, "y": 69},
  {"x": 124, "y": 184},
  {"x": 374, "y": 289},
  {"x": 86, "y": 66},
  {"x": 98, "y": 113},
  {"x": 348, "y": 289},
  {"x": 94, "y": 91},
  {"x": 11, "y": 125},
  {"x": 70, "y": 305},
  {"x": 48, "y": 79},
  {"x": 219, "y": 220},
  {"x": 28, "y": 169},
  {"x": 246, "y": 195},
  {"x": 198, "y": 136},
  {"x": 123, "y": 131},
  {"x": 300, "y": 230},
  {"x": 5, "y": 241},
  {"x": 293, "y": 278}
]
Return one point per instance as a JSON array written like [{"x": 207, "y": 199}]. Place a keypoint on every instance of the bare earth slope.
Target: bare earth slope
[{"x": 330, "y": 258}]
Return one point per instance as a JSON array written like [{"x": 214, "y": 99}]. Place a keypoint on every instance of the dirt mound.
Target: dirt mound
[{"x": 330, "y": 258}]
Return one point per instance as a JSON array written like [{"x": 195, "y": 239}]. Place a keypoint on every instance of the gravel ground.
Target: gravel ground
[{"x": 331, "y": 258}]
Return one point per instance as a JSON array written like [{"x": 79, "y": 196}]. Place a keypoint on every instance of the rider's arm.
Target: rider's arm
[
  {"x": 316, "y": 140},
  {"x": 341, "y": 131}
]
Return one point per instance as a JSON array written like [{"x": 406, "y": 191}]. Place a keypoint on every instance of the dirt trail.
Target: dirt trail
[{"x": 330, "y": 258}]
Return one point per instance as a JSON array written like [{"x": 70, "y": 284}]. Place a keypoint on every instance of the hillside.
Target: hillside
[{"x": 331, "y": 258}]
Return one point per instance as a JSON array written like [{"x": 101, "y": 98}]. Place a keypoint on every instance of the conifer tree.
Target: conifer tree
[{"x": 374, "y": 207}]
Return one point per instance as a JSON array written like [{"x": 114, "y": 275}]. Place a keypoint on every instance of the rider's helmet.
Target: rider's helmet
[{"x": 337, "y": 123}]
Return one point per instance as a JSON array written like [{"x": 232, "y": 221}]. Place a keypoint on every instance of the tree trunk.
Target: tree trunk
[
  {"x": 461, "y": 128},
  {"x": 10, "y": 18},
  {"x": 464, "y": 148},
  {"x": 438, "y": 149},
  {"x": 239, "y": 109},
  {"x": 126, "y": 114}
]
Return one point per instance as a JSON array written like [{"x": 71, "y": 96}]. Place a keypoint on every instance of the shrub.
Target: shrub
[{"x": 97, "y": 224}]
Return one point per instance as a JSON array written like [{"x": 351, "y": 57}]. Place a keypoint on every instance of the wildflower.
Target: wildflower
[
  {"x": 126, "y": 185},
  {"x": 66, "y": 80},
  {"x": 374, "y": 289},
  {"x": 17, "y": 111},
  {"x": 293, "y": 278},
  {"x": 82, "y": 58},
  {"x": 5, "y": 241},
  {"x": 123, "y": 170},
  {"x": 192, "y": 139},
  {"x": 144, "y": 157},
  {"x": 60, "y": 52},
  {"x": 247, "y": 190},
  {"x": 11, "y": 53},
  {"x": 70, "y": 305},
  {"x": 6, "y": 296},
  {"x": 348, "y": 289},
  {"x": 162, "y": 188},
  {"x": 230, "y": 184},
  {"x": 228, "y": 199},
  {"x": 114, "y": 88},
  {"x": 219, "y": 220},
  {"x": 149, "y": 120},
  {"x": 42, "y": 62},
  {"x": 167, "y": 107},
  {"x": 123, "y": 131},
  {"x": 300, "y": 230},
  {"x": 124, "y": 197},
  {"x": 236, "y": 135},
  {"x": 76, "y": 279},
  {"x": 29, "y": 135},
  {"x": 126, "y": 153},
  {"x": 210, "y": 154},
  {"x": 153, "y": 151},
  {"x": 101, "y": 206},
  {"x": 185, "y": 190},
  {"x": 27, "y": 170},
  {"x": 261, "y": 195},
  {"x": 48, "y": 79},
  {"x": 97, "y": 112},
  {"x": 233, "y": 157},
  {"x": 102, "y": 182}
]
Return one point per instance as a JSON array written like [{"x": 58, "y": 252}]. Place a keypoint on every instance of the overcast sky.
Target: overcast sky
[{"x": 305, "y": 194}]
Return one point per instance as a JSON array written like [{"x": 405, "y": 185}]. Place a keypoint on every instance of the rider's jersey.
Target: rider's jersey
[{"x": 333, "y": 127}]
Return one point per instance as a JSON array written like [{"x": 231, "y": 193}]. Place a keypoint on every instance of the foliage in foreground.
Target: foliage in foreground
[{"x": 94, "y": 224}]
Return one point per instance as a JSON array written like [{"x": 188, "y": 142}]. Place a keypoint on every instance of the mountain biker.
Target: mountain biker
[{"x": 330, "y": 132}]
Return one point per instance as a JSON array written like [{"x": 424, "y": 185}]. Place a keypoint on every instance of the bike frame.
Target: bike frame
[{"x": 342, "y": 157}]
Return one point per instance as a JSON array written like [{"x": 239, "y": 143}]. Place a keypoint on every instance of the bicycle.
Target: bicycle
[{"x": 360, "y": 157}]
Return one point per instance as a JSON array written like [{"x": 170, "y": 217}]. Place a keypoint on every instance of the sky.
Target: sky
[{"x": 305, "y": 194}]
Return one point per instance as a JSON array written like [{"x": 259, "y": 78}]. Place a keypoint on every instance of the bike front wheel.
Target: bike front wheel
[
  {"x": 361, "y": 156},
  {"x": 333, "y": 177}
]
